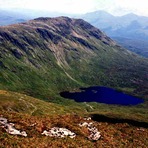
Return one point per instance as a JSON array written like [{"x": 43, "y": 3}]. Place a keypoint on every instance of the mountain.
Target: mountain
[
  {"x": 115, "y": 27},
  {"x": 138, "y": 46},
  {"x": 8, "y": 17},
  {"x": 130, "y": 26},
  {"x": 17, "y": 15},
  {"x": 47, "y": 55}
]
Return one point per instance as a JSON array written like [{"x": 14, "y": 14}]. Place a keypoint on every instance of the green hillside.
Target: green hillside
[
  {"x": 34, "y": 116},
  {"x": 47, "y": 55}
]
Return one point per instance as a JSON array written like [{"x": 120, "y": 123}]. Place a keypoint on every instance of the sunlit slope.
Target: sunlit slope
[{"x": 47, "y": 55}]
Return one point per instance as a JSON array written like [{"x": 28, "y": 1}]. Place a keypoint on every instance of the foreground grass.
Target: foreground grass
[
  {"x": 34, "y": 116},
  {"x": 112, "y": 135}
]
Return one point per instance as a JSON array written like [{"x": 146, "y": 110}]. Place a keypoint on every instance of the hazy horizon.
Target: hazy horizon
[{"x": 115, "y": 7}]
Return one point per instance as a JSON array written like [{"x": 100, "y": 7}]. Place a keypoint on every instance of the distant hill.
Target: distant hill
[
  {"x": 13, "y": 16},
  {"x": 47, "y": 55},
  {"x": 8, "y": 17},
  {"x": 130, "y": 26},
  {"x": 138, "y": 46}
]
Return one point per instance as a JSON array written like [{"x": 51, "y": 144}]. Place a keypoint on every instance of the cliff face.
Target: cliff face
[{"x": 49, "y": 54}]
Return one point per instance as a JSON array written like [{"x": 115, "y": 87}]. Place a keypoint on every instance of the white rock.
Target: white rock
[
  {"x": 23, "y": 133},
  {"x": 95, "y": 136},
  {"x": 89, "y": 118},
  {"x": 59, "y": 132},
  {"x": 9, "y": 127},
  {"x": 3, "y": 120},
  {"x": 11, "y": 130},
  {"x": 44, "y": 132},
  {"x": 83, "y": 124},
  {"x": 94, "y": 133}
]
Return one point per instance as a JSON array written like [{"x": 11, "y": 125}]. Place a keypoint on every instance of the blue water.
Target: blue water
[{"x": 102, "y": 95}]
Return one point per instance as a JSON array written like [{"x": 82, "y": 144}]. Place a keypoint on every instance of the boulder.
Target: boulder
[
  {"x": 9, "y": 127},
  {"x": 94, "y": 133},
  {"x": 59, "y": 132}
]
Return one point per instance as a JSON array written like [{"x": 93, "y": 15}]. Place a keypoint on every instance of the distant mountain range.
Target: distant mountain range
[
  {"x": 131, "y": 31},
  {"x": 8, "y": 17},
  {"x": 13, "y": 16},
  {"x": 127, "y": 26}
]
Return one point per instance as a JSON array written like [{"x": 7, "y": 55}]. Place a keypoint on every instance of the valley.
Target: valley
[
  {"x": 42, "y": 57},
  {"x": 49, "y": 55}
]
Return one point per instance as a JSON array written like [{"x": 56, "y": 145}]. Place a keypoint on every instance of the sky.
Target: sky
[{"x": 115, "y": 7}]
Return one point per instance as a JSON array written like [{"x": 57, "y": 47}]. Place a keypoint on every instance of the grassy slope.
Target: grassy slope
[
  {"x": 46, "y": 56},
  {"x": 37, "y": 73},
  {"x": 25, "y": 111}
]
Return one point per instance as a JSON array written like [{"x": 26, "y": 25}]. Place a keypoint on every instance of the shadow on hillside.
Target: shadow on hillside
[{"x": 102, "y": 118}]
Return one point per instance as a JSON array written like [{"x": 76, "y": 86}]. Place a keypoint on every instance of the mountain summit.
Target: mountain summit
[
  {"x": 46, "y": 55},
  {"x": 129, "y": 30}
]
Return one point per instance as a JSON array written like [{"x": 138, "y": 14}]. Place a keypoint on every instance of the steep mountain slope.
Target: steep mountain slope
[
  {"x": 48, "y": 55},
  {"x": 129, "y": 26}
]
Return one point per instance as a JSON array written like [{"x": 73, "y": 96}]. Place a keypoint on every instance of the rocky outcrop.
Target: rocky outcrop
[
  {"x": 9, "y": 127},
  {"x": 56, "y": 132},
  {"x": 94, "y": 133},
  {"x": 59, "y": 132},
  {"x": 48, "y": 35}
]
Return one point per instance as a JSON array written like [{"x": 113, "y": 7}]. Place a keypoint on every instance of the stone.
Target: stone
[
  {"x": 83, "y": 124},
  {"x": 94, "y": 133},
  {"x": 94, "y": 136},
  {"x": 9, "y": 127},
  {"x": 3, "y": 120},
  {"x": 89, "y": 118},
  {"x": 59, "y": 132}
]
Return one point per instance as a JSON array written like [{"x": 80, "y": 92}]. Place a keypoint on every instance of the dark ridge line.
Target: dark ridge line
[{"x": 103, "y": 118}]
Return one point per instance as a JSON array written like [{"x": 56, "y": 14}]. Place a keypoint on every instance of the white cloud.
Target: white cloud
[
  {"x": 80, "y": 6},
  {"x": 68, "y": 6},
  {"x": 135, "y": 6}
]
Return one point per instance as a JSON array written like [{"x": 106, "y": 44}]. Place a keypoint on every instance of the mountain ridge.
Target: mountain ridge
[
  {"x": 47, "y": 55},
  {"x": 129, "y": 26}
]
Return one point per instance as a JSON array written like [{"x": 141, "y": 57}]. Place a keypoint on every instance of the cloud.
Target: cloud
[
  {"x": 117, "y": 7},
  {"x": 134, "y": 6},
  {"x": 68, "y": 6}
]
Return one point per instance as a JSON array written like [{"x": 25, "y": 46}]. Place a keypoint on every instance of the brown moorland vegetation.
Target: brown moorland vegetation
[{"x": 113, "y": 134}]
